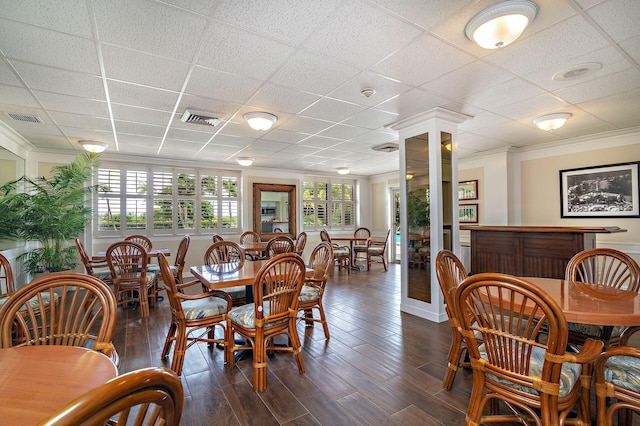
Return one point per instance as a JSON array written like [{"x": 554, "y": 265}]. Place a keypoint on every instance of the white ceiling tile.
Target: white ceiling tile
[
  {"x": 81, "y": 121},
  {"x": 30, "y": 129},
  {"x": 18, "y": 96},
  {"x": 509, "y": 92},
  {"x": 7, "y": 76},
  {"x": 49, "y": 79},
  {"x": 319, "y": 142},
  {"x": 483, "y": 119},
  {"x": 221, "y": 150},
  {"x": 225, "y": 140},
  {"x": 139, "y": 129},
  {"x": 423, "y": 60},
  {"x": 129, "y": 142},
  {"x": 375, "y": 138},
  {"x": 73, "y": 104},
  {"x": 619, "y": 18},
  {"x": 150, "y": 27},
  {"x": 254, "y": 56},
  {"x": 532, "y": 107},
  {"x": 140, "y": 115},
  {"x": 385, "y": 89},
  {"x": 621, "y": 110},
  {"x": 278, "y": 135},
  {"x": 186, "y": 135},
  {"x": 632, "y": 48},
  {"x": 417, "y": 12},
  {"x": 141, "y": 96},
  {"x": 471, "y": 78},
  {"x": 273, "y": 97},
  {"x": 69, "y": 16},
  {"x": 268, "y": 146},
  {"x": 24, "y": 42},
  {"x": 290, "y": 21},
  {"x": 341, "y": 131},
  {"x": 177, "y": 153},
  {"x": 219, "y": 108},
  {"x": 305, "y": 125},
  {"x": 313, "y": 73},
  {"x": 412, "y": 102},
  {"x": 141, "y": 68},
  {"x": 623, "y": 81},
  {"x": 49, "y": 141},
  {"x": 372, "y": 119},
  {"x": 96, "y": 135},
  {"x": 220, "y": 85},
  {"x": 372, "y": 34},
  {"x": 332, "y": 110},
  {"x": 301, "y": 149}
]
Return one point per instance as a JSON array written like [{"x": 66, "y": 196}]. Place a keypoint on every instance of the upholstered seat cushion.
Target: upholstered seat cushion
[
  {"x": 202, "y": 308},
  {"x": 623, "y": 371},
  {"x": 238, "y": 292},
  {"x": 309, "y": 293},
  {"x": 156, "y": 269},
  {"x": 340, "y": 251},
  {"x": 594, "y": 331},
  {"x": 46, "y": 299},
  {"x": 376, "y": 250},
  {"x": 103, "y": 274},
  {"x": 568, "y": 377},
  {"x": 245, "y": 315}
]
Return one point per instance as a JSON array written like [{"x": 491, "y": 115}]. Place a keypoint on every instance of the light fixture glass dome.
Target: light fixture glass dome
[
  {"x": 343, "y": 170},
  {"x": 501, "y": 24},
  {"x": 551, "y": 121},
  {"x": 260, "y": 120},
  {"x": 244, "y": 161},
  {"x": 94, "y": 146}
]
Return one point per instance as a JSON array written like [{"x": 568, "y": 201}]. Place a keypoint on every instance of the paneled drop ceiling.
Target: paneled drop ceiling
[{"x": 124, "y": 71}]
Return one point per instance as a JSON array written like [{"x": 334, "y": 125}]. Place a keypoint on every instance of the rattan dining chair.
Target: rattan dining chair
[
  {"x": 217, "y": 238},
  {"x": 250, "y": 237},
  {"x": 191, "y": 313},
  {"x": 278, "y": 245},
  {"x": 227, "y": 252},
  {"x": 518, "y": 377},
  {"x": 61, "y": 309},
  {"x": 450, "y": 272},
  {"x": 273, "y": 312},
  {"x": 7, "y": 284},
  {"x": 133, "y": 283},
  {"x": 301, "y": 242},
  {"x": 378, "y": 249},
  {"x": 607, "y": 267},
  {"x": 143, "y": 240},
  {"x": 150, "y": 396},
  {"x": 321, "y": 261},
  {"x": 617, "y": 384},
  {"x": 341, "y": 254},
  {"x": 360, "y": 247},
  {"x": 98, "y": 269}
]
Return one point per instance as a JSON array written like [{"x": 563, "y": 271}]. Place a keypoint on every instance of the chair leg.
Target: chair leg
[
  {"x": 455, "y": 351},
  {"x": 323, "y": 321},
  {"x": 295, "y": 344},
  {"x": 179, "y": 350},
  {"x": 260, "y": 363},
  {"x": 384, "y": 263},
  {"x": 171, "y": 336}
]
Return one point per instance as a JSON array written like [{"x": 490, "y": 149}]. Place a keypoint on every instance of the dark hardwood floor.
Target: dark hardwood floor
[{"x": 380, "y": 366}]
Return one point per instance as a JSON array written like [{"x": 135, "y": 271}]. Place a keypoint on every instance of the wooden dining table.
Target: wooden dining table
[
  {"x": 351, "y": 241},
  {"x": 37, "y": 381},
  {"x": 254, "y": 249}
]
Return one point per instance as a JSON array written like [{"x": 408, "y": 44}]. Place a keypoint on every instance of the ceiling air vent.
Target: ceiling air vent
[
  {"x": 386, "y": 147},
  {"x": 197, "y": 117},
  {"x": 25, "y": 117}
]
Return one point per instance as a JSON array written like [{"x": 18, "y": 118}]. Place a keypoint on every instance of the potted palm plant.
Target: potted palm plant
[{"x": 52, "y": 211}]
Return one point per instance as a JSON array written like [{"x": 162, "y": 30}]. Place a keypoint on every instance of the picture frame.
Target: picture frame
[
  {"x": 468, "y": 190},
  {"x": 468, "y": 213},
  {"x": 607, "y": 191}
]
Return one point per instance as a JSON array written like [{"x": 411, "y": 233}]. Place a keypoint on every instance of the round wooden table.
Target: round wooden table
[{"x": 36, "y": 381}]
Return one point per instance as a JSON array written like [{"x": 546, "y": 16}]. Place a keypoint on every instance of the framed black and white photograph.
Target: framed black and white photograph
[
  {"x": 600, "y": 191},
  {"x": 468, "y": 213}
]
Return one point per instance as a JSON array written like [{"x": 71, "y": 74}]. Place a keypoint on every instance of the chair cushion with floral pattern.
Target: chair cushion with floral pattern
[
  {"x": 309, "y": 293},
  {"x": 245, "y": 315},
  {"x": 623, "y": 371},
  {"x": 591, "y": 330},
  {"x": 340, "y": 251},
  {"x": 202, "y": 308},
  {"x": 569, "y": 376}
]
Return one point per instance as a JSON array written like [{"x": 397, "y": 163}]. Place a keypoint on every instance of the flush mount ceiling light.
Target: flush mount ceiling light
[
  {"x": 260, "y": 120},
  {"x": 577, "y": 71},
  {"x": 551, "y": 121},
  {"x": 245, "y": 161},
  {"x": 343, "y": 170},
  {"x": 94, "y": 146},
  {"x": 501, "y": 24}
]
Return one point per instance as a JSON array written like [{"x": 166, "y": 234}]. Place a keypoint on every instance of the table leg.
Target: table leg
[{"x": 354, "y": 267}]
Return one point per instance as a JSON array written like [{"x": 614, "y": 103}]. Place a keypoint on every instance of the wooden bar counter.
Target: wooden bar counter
[{"x": 533, "y": 251}]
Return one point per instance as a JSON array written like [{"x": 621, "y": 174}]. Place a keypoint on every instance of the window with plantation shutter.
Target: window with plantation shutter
[
  {"x": 328, "y": 205},
  {"x": 166, "y": 201}
]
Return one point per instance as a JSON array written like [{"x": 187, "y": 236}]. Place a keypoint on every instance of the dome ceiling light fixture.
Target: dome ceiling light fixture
[
  {"x": 260, "y": 120},
  {"x": 551, "y": 121},
  {"x": 245, "y": 161},
  {"x": 343, "y": 170},
  {"x": 94, "y": 146},
  {"x": 501, "y": 24}
]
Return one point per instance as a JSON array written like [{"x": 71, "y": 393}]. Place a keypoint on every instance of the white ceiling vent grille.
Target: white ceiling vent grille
[
  {"x": 25, "y": 117},
  {"x": 386, "y": 147},
  {"x": 197, "y": 117}
]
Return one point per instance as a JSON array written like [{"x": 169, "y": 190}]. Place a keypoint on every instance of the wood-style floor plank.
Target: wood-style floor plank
[{"x": 380, "y": 366}]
